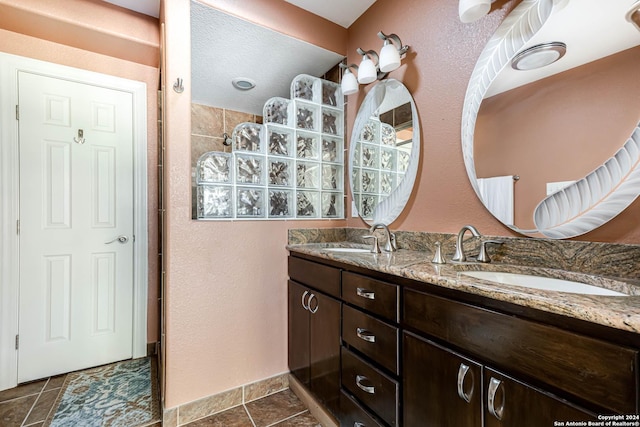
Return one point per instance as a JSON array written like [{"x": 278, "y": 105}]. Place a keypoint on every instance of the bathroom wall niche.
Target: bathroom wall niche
[{"x": 291, "y": 166}]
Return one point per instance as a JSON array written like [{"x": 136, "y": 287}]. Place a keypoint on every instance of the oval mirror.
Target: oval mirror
[
  {"x": 384, "y": 152},
  {"x": 554, "y": 150}
]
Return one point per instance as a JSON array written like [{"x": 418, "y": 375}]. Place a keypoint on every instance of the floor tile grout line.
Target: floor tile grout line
[
  {"x": 270, "y": 394},
  {"x": 26, "y": 417},
  {"x": 288, "y": 418},
  {"x": 249, "y": 415}
]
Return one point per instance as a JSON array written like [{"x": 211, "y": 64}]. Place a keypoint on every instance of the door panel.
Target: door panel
[
  {"x": 298, "y": 337},
  {"x": 76, "y": 196},
  {"x": 441, "y": 388}
]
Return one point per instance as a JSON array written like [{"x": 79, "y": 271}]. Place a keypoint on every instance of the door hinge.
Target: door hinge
[
  {"x": 17, "y": 341},
  {"x": 18, "y": 227},
  {"x": 17, "y": 112}
]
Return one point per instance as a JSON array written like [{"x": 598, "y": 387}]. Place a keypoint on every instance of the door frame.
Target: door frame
[{"x": 10, "y": 65}]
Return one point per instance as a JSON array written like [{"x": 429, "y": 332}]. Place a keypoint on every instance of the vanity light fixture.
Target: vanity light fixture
[
  {"x": 349, "y": 82},
  {"x": 368, "y": 70},
  {"x": 391, "y": 52},
  {"x": 539, "y": 56},
  {"x": 633, "y": 15},
  {"x": 374, "y": 67},
  {"x": 472, "y": 10}
]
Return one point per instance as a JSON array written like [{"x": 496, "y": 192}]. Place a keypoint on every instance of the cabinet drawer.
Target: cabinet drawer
[
  {"x": 596, "y": 371},
  {"x": 318, "y": 276},
  {"x": 373, "y": 388},
  {"x": 372, "y": 295},
  {"x": 371, "y": 336},
  {"x": 352, "y": 414}
]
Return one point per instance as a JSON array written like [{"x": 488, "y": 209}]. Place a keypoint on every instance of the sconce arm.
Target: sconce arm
[
  {"x": 371, "y": 54},
  {"x": 346, "y": 67},
  {"x": 394, "y": 39}
]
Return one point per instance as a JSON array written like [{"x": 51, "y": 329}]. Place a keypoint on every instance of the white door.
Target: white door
[{"x": 76, "y": 226}]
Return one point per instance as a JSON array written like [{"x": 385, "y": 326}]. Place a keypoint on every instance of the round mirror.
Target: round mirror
[
  {"x": 550, "y": 132},
  {"x": 384, "y": 152}
]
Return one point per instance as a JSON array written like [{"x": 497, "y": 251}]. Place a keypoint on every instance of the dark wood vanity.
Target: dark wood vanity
[{"x": 382, "y": 350}]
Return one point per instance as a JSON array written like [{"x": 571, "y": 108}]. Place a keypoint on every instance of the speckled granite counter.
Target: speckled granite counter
[{"x": 618, "y": 312}]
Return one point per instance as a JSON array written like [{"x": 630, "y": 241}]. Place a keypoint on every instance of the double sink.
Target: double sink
[{"x": 524, "y": 280}]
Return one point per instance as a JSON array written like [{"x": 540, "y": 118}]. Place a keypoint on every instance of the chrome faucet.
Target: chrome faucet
[
  {"x": 390, "y": 244},
  {"x": 460, "y": 255}
]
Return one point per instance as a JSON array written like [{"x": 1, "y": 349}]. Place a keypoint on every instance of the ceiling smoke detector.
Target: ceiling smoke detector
[{"x": 243, "y": 83}]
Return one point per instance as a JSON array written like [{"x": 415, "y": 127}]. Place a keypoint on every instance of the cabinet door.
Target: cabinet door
[
  {"x": 325, "y": 348},
  {"x": 512, "y": 403},
  {"x": 440, "y": 388},
  {"x": 298, "y": 350}
]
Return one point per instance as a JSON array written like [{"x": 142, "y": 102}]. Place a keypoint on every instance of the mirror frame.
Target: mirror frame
[
  {"x": 389, "y": 209},
  {"x": 589, "y": 202}
]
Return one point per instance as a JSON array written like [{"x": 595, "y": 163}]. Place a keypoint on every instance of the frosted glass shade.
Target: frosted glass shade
[
  {"x": 349, "y": 83},
  {"x": 389, "y": 57},
  {"x": 472, "y": 10},
  {"x": 367, "y": 72}
]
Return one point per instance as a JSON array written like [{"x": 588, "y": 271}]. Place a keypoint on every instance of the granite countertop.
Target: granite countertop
[{"x": 620, "y": 312}]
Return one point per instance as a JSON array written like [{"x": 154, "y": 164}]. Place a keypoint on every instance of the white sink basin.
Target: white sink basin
[
  {"x": 349, "y": 250},
  {"x": 539, "y": 282}
]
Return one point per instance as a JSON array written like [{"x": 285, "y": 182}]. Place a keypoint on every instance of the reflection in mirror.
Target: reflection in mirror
[
  {"x": 559, "y": 128},
  {"x": 384, "y": 152}
]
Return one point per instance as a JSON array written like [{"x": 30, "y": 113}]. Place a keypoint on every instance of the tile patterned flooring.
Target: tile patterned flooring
[
  {"x": 281, "y": 409},
  {"x": 30, "y": 403}
]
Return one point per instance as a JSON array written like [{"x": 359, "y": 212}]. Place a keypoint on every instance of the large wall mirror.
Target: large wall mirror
[
  {"x": 228, "y": 55},
  {"x": 384, "y": 152},
  {"x": 554, "y": 151}
]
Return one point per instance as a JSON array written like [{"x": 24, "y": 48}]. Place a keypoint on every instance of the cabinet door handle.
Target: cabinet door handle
[
  {"x": 364, "y": 293},
  {"x": 494, "y": 385},
  {"x": 462, "y": 374},
  {"x": 314, "y": 309},
  {"x": 359, "y": 424},
  {"x": 305, "y": 306},
  {"x": 365, "y": 335},
  {"x": 366, "y": 388}
]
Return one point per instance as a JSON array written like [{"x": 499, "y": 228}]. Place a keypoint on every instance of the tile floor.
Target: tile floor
[
  {"x": 29, "y": 404},
  {"x": 281, "y": 409}
]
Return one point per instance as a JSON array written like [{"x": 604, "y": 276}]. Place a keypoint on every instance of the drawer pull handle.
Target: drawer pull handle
[
  {"x": 494, "y": 385},
  {"x": 304, "y": 295},
  {"x": 314, "y": 309},
  {"x": 359, "y": 424},
  {"x": 365, "y": 335},
  {"x": 462, "y": 374},
  {"x": 364, "y": 293},
  {"x": 366, "y": 388}
]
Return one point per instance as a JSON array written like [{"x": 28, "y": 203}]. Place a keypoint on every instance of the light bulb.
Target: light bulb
[
  {"x": 349, "y": 83},
  {"x": 389, "y": 57},
  {"x": 472, "y": 10},
  {"x": 367, "y": 72}
]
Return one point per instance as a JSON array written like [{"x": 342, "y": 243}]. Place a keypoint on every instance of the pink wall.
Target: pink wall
[
  {"x": 119, "y": 22},
  {"x": 436, "y": 71},
  {"x": 226, "y": 282}
]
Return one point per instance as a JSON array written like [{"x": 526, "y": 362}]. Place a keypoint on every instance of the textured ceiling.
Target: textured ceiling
[
  {"x": 341, "y": 12},
  {"x": 224, "y": 47}
]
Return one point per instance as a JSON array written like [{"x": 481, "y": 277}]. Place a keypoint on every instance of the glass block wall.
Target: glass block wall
[
  {"x": 378, "y": 166},
  {"x": 292, "y": 166}
]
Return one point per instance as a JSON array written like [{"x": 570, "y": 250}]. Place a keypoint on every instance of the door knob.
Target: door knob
[{"x": 119, "y": 239}]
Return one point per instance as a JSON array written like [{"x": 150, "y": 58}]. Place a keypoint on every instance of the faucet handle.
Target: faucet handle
[
  {"x": 437, "y": 256},
  {"x": 483, "y": 256},
  {"x": 391, "y": 245},
  {"x": 375, "y": 248}
]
